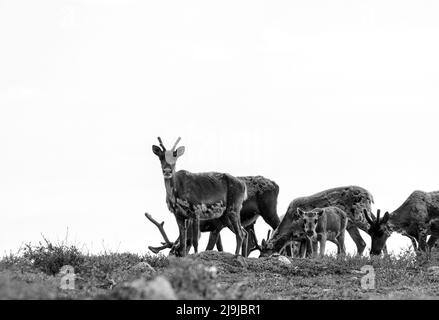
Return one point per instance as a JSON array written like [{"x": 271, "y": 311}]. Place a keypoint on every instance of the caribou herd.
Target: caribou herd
[{"x": 208, "y": 202}]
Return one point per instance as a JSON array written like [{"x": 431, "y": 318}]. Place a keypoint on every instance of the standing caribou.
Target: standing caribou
[
  {"x": 323, "y": 224},
  {"x": 261, "y": 201},
  {"x": 416, "y": 218},
  {"x": 201, "y": 196},
  {"x": 351, "y": 199}
]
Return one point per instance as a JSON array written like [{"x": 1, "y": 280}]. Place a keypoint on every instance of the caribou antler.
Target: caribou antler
[
  {"x": 175, "y": 144},
  {"x": 165, "y": 245},
  {"x": 378, "y": 216},
  {"x": 256, "y": 245},
  {"x": 161, "y": 143}
]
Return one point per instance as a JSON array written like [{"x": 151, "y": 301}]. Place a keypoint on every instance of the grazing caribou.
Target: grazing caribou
[
  {"x": 291, "y": 248},
  {"x": 416, "y": 218},
  {"x": 201, "y": 196},
  {"x": 322, "y": 224},
  {"x": 350, "y": 199},
  {"x": 261, "y": 201}
]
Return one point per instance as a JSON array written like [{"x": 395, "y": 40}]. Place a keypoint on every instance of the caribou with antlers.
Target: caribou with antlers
[
  {"x": 416, "y": 218},
  {"x": 201, "y": 196},
  {"x": 261, "y": 201}
]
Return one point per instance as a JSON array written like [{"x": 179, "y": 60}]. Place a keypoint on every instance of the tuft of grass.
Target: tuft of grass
[{"x": 49, "y": 257}]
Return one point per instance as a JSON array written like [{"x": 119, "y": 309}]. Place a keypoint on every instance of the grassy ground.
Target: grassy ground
[{"x": 34, "y": 274}]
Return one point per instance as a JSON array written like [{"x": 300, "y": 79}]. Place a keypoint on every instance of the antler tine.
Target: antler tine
[
  {"x": 268, "y": 234},
  {"x": 161, "y": 143},
  {"x": 378, "y": 215},
  {"x": 158, "y": 249},
  {"x": 167, "y": 243},
  {"x": 175, "y": 144}
]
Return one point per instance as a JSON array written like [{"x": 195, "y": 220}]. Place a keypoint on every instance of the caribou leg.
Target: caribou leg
[
  {"x": 431, "y": 242},
  {"x": 412, "y": 239},
  {"x": 195, "y": 233},
  {"x": 356, "y": 237},
  {"x": 341, "y": 244},
  {"x": 234, "y": 224},
  {"x": 244, "y": 247},
  {"x": 288, "y": 249},
  {"x": 214, "y": 237},
  {"x": 303, "y": 249},
  {"x": 422, "y": 239},
  {"x": 182, "y": 227},
  {"x": 322, "y": 246},
  {"x": 252, "y": 240},
  {"x": 433, "y": 228},
  {"x": 219, "y": 244}
]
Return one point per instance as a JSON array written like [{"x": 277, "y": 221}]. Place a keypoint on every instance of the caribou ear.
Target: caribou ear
[
  {"x": 156, "y": 150},
  {"x": 179, "y": 152},
  {"x": 385, "y": 218},
  {"x": 320, "y": 212},
  {"x": 366, "y": 214}
]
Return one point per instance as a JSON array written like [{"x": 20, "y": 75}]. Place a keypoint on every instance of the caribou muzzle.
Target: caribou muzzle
[
  {"x": 167, "y": 173},
  {"x": 310, "y": 234},
  {"x": 375, "y": 252}
]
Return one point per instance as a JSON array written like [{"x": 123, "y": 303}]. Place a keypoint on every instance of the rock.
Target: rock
[
  {"x": 143, "y": 267},
  {"x": 434, "y": 270},
  {"x": 284, "y": 259},
  {"x": 140, "y": 289},
  {"x": 357, "y": 272},
  {"x": 213, "y": 271},
  {"x": 241, "y": 261},
  {"x": 157, "y": 289}
]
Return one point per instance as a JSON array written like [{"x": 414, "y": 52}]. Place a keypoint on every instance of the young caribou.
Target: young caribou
[
  {"x": 322, "y": 224},
  {"x": 205, "y": 196}
]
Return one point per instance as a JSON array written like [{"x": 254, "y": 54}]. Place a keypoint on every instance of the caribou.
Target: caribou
[
  {"x": 322, "y": 224},
  {"x": 416, "y": 218},
  {"x": 201, "y": 196},
  {"x": 292, "y": 247},
  {"x": 261, "y": 201},
  {"x": 351, "y": 199}
]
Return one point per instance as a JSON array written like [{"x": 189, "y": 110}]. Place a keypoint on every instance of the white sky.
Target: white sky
[{"x": 311, "y": 94}]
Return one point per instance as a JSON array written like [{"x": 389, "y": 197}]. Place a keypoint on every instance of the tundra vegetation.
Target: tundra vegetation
[{"x": 33, "y": 273}]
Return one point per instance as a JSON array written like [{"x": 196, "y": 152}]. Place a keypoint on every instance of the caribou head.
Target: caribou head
[
  {"x": 310, "y": 220},
  {"x": 379, "y": 231},
  {"x": 267, "y": 248},
  {"x": 168, "y": 158}
]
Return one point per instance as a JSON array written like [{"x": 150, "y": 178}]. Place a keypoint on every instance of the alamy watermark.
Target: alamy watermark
[
  {"x": 368, "y": 280},
  {"x": 67, "y": 274}
]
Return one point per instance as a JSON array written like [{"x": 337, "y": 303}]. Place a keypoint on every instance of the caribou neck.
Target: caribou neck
[
  {"x": 170, "y": 189},
  {"x": 394, "y": 221}
]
